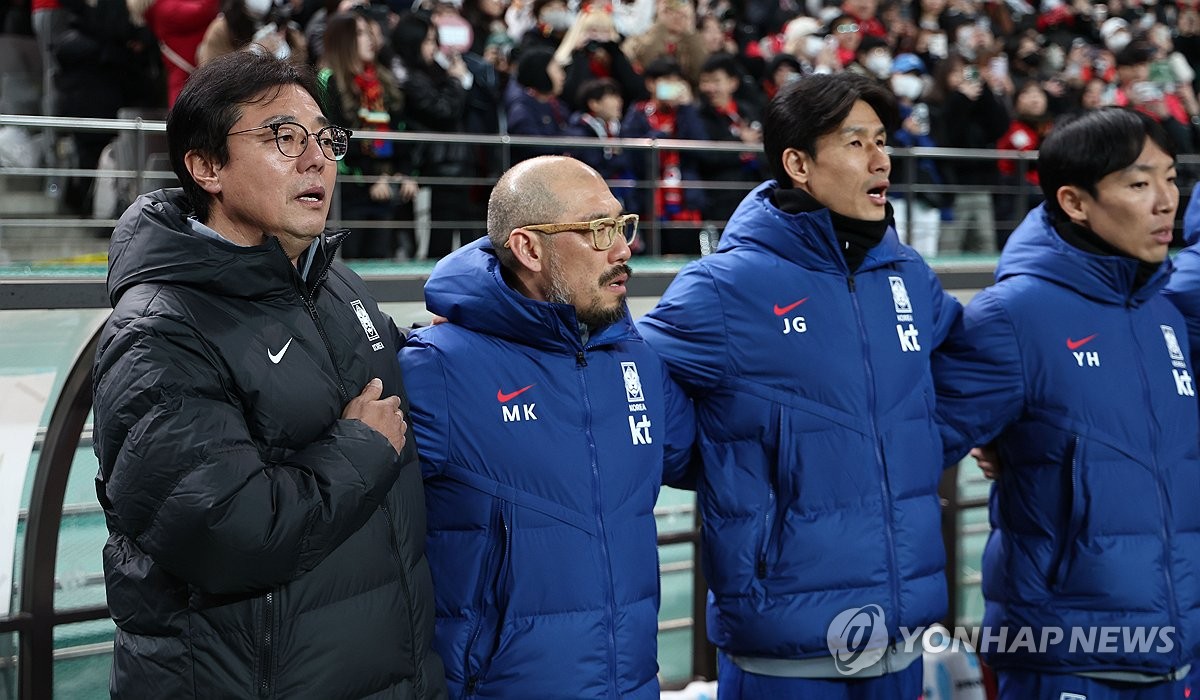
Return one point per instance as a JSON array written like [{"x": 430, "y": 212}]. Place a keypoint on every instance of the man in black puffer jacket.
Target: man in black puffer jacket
[{"x": 265, "y": 510}]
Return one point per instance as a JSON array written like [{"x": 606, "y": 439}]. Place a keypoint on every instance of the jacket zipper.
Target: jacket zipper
[
  {"x": 418, "y": 683},
  {"x": 581, "y": 363},
  {"x": 266, "y": 653},
  {"x": 761, "y": 570},
  {"x": 473, "y": 677},
  {"x": 1075, "y": 517},
  {"x": 885, "y": 485}
]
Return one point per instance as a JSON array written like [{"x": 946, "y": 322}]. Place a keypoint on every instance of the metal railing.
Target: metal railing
[{"x": 905, "y": 172}]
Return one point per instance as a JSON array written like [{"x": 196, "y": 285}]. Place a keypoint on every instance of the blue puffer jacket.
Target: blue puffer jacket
[
  {"x": 1085, "y": 381},
  {"x": 1184, "y": 287},
  {"x": 815, "y": 407},
  {"x": 543, "y": 457}
]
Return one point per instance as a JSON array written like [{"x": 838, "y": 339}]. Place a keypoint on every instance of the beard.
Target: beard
[{"x": 592, "y": 314}]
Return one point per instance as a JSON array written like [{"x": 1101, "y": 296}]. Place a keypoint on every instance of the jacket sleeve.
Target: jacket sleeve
[
  {"x": 1183, "y": 290},
  {"x": 425, "y": 378},
  {"x": 680, "y": 462},
  {"x": 687, "y": 329},
  {"x": 947, "y": 310},
  {"x": 979, "y": 378},
  {"x": 182, "y": 477}
]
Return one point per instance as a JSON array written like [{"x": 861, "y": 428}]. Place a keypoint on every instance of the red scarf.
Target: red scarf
[
  {"x": 670, "y": 194},
  {"x": 371, "y": 89}
]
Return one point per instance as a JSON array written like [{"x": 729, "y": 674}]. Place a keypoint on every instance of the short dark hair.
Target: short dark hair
[
  {"x": 211, "y": 103},
  {"x": 814, "y": 105},
  {"x": 663, "y": 67},
  {"x": 722, "y": 62},
  {"x": 1083, "y": 150},
  {"x": 596, "y": 89},
  {"x": 1137, "y": 52}
]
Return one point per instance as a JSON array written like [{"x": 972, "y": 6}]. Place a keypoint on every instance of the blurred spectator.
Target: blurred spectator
[
  {"x": 872, "y": 58},
  {"x": 435, "y": 96},
  {"x": 917, "y": 216},
  {"x": 314, "y": 30},
  {"x": 1137, "y": 90},
  {"x": 673, "y": 35},
  {"x": 633, "y": 17},
  {"x": 1095, "y": 94},
  {"x": 1187, "y": 34},
  {"x": 552, "y": 19},
  {"x": 1026, "y": 63},
  {"x": 972, "y": 117},
  {"x": 534, "y": 107},
  {"x": 726, "y": 118},
  {"x": 49, "y": 20},
  {"x": 591, "y": 49},
  {"x": 1029, "y": 126},
  {"x": 670, "y": 114},
  {"x": 487, "y": 20},
  {"x": 361, "y": 93},
  {"x": 848, "y": 34},
  {"x": 1171, "y": 71},
  {"x": 601, "y": 118},
  {"x": 715, "y": 36},
  {"x": 781, "y": 70},
  {"x": 863, "y": 12},
  {"x": 245, "y": 22},
  {"x": 179, "y": 26},
  {"x": 105, "y": 63},
  {"x": 901, "y": 30}
]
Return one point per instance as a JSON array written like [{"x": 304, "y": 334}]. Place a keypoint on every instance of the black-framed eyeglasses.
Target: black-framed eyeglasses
[
  {"x": 604, "y": 230},
  {"x": 291, "y": 139}
]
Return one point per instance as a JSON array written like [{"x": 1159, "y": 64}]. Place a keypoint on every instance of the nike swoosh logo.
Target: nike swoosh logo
[
  {"x": 1076, "y": 344},
  {"x": 781, "y": 310},
  {"x": 505, "y": 398},
  {"x": 275, "y": 358}
]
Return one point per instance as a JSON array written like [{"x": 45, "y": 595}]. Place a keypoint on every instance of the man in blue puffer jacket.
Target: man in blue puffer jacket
[
  {"x": 545, "y": 426},
  {"x": 805, "y": 342},
  {"x": 1078, "y": 368}
]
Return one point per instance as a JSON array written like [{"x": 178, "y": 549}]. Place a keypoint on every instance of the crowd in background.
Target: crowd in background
[{"x": 967, "y": 73}]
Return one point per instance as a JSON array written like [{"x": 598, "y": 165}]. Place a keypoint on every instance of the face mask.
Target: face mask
[
  {"x": 938, "y": 46},
  {"x": 880, "y": 64},
  {"x": 1054, "y": 58},
  {"x": 258, "y": 8},
  {"x": 907, "y": 86},
  {"x": 813, "y": 45},
  {"x": 558, "y": 20},
  {"x": 1118, "y": 41}
]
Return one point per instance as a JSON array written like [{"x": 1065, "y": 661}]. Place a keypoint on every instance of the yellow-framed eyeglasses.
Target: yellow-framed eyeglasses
[{"x": 604, "y": 230}]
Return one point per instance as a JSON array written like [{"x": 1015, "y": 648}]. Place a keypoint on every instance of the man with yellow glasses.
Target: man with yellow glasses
[{"x": 545, "y": 426}]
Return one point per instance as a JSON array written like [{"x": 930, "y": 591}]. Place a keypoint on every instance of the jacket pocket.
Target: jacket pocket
[
  {"x": 1075, "y": 506},
  {"x": 491, "y": 604},
  {"x": 769, "y": 520}
]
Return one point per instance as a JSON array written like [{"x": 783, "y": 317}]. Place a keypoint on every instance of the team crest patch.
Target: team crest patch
[
  {"x": 900, "y": 295},
  {"x": 633, "y": 383}
]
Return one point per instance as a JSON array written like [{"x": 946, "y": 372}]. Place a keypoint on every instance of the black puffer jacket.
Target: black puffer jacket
[{"x": 259, "y": 545}]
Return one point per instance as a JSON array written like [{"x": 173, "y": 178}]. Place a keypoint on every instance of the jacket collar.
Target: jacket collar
[
  {"x": 1037, "y": 249},
  {"x": 806, "y": 238},
  {"x": 468, "y": 288}
]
